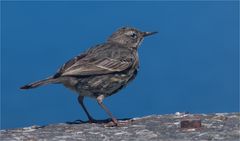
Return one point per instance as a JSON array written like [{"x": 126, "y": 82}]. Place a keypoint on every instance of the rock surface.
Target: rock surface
[{"x": 219, "y": 126}]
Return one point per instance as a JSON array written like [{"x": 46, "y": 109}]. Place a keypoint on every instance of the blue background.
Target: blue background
[{"x": 190, "y": 65}]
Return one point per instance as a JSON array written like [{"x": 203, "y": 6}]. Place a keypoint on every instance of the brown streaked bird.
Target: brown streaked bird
[{"x": 102, "y": 70}]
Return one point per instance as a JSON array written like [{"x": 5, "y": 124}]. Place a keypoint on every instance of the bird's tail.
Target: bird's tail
[{"x": 39, "y": 83}]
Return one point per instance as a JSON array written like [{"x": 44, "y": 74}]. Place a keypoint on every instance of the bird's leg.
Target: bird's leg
[
  {"x": 100, "y": 102},
  {"x": 80, "y": 100}
]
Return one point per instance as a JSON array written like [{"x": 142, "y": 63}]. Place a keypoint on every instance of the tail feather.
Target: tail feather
[{"x": 39, "y": 83}]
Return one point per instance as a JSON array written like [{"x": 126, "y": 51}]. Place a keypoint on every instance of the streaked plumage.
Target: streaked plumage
[{"x": 102, "y": 70}]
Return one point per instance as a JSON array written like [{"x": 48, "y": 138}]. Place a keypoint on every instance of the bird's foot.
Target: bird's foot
[
  {"x": 116, "y": 123},
  {"x": 92, "y": 120}
]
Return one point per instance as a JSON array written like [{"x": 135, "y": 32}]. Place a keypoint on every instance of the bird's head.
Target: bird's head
[{"x": 129, "y": 37}]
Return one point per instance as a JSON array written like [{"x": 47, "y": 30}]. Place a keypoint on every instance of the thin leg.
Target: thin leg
[
  {"x": 80, "y": 100},
  {"x": 100, "y": 102}
]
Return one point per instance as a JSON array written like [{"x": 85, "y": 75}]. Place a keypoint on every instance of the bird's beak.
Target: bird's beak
[{"x": 148, "y": 33}]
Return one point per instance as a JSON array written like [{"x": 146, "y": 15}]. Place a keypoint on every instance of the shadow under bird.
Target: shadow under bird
[{"x": 102, "y": 70}]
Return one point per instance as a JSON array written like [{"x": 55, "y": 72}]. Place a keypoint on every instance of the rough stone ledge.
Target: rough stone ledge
[{"x": 218, "y": 126}]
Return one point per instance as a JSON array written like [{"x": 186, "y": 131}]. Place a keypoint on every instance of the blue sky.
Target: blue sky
[{"x": 191, "y": 65}]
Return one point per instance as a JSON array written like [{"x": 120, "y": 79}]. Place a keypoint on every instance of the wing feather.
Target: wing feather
[
  {"x": 96, "y": 61},
  {"x": 103, "y": 66}
]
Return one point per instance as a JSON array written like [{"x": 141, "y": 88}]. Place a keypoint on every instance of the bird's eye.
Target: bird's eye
[{"x": 133, "y": 35}]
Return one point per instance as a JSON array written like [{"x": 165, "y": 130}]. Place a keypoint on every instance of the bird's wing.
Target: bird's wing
[
  {"x": 101, "y": 66},
  {"x": 89, "y": 64},
  {"x": 71, "y": 62}
]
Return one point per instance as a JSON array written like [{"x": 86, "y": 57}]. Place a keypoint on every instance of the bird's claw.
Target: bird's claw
[
  {"x": 118, "y": 123},
  {"x": 92, "y": 120}
]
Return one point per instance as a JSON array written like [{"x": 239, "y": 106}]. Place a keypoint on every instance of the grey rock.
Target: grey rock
[{"x": 218, "y": 126}]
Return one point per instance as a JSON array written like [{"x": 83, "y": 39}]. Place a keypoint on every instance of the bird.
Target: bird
[{"x": 102, "y": 70}]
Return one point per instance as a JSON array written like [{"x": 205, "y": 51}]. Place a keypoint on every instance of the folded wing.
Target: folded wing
[
  {"x": 102, "y": 66},
  {"x": 88, "y": 64}
]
